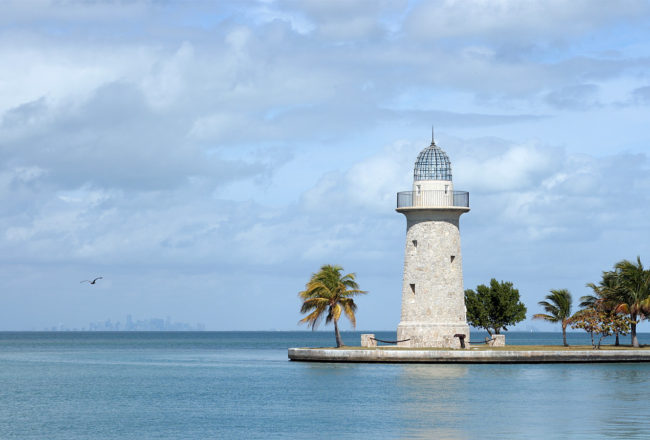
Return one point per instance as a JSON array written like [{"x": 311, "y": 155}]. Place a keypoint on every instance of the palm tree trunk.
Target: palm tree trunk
[
  {"x": 564, "y": 334},
  {"x": 339, "y": 341},
  {"x": 635, "y": 341}
]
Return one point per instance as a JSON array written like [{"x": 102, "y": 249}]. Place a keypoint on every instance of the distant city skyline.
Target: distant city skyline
[
  {"x": 150, "y": 324},
  {"x": 205, "y": 158}
]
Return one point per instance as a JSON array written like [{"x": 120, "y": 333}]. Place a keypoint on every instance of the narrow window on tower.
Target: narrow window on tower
[
  {"x": 415, "y": 243},
  {"x": 413, "y": 288},
  {"x": 417, "y": 188},
  {"x": 452, "y": 258}
]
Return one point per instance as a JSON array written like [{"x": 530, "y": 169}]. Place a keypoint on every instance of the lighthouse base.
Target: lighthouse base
[{"x": 420, "y": 334}]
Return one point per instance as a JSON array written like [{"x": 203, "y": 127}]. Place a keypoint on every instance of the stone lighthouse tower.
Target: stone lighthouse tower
[{"x": 433, "y": 303}]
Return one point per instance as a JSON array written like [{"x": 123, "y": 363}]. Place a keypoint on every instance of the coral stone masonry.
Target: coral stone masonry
[{"x": 433, "y": 302}]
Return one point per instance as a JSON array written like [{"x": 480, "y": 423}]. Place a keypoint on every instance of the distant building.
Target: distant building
[
  {"x": 433, "y": 302},
  {"x": 153, "y": 324}
]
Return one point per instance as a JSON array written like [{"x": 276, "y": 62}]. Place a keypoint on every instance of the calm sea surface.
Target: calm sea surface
[{"x": 239, "y": 385}]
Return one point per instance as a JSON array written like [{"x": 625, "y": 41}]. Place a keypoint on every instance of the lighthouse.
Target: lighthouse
[{"x": 433, "y": 302}]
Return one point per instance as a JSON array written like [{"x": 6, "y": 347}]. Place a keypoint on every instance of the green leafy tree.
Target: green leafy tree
[
  {"x": 494, "y": 307},
  {"x": 328, "y": 294},
  {"x": 558, "y": 309},
  {"x": 633, "y": 297}
]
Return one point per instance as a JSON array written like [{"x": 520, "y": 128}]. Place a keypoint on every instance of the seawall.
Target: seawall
[{"x": 416, "y": 356}]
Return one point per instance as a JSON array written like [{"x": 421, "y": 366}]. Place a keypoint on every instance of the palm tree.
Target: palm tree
[
  {"x": 328, "y": 290},
  {"x": 604, "y": 293},
  {"x": 633, "y": 297},
  {"x": 558, "y": 309}
]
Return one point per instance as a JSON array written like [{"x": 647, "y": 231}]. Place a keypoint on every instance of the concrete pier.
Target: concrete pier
[{"x": 501, "y": 356}]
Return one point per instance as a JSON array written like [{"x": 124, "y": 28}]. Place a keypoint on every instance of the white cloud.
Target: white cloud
[
  {"x": 534, "y": 192},
  {"x": 218, "y": 126},
  {"x": 120, "y": 124},
  {"x": 43, "y": 11},
  {"x": 63, "y": 74},
  {"x": 641, "y": 95},
  {"x": 167, "y": 81},
  {"x": 517, "y": 168},
  {"x": 350, "y": 20},
  {"x": 527, "y": 19},
  {"x": 579, "y": 97},
  {"x": 370, "y": 184},
  {"x": 28, "y": 174}
]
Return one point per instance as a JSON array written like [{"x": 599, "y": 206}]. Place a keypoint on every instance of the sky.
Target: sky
[{"x": 205, "y": 158}]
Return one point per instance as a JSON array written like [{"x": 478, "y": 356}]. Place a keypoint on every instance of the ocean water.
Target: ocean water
[{"x": 240, "y": 385}]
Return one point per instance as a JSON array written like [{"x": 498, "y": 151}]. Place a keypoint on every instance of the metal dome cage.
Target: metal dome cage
[{"x": 432, "y": 164}]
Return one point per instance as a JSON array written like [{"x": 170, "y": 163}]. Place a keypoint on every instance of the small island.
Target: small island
[{"x": 437, "y": 313}]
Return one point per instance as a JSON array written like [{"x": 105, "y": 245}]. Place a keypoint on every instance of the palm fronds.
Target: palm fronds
[
  {"x": 327, "y": 294},
  {"x": 558, "y": 309},
  {"x": 557, "y": 306},
  {"x": 625, "y": 290}
]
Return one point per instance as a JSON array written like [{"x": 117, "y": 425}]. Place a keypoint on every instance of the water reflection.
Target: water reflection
[
  {"x": 430, "y": 400},
  {"x": 624, "y": 388},
  {"x": 433, "y": 371},
  {"x": 532, "y": 401}
]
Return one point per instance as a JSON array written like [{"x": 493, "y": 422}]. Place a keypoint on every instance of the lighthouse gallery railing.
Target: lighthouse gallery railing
[{"x": 432, "y": 198}]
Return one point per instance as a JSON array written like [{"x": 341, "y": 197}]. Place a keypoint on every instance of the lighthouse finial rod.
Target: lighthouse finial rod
[{"x": 433, "y": 142}]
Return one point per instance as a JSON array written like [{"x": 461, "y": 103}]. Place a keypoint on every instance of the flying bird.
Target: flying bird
[{"x": 93, "y": 281}]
